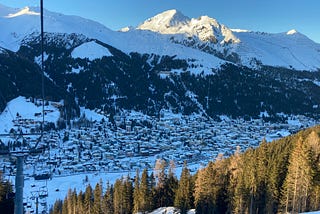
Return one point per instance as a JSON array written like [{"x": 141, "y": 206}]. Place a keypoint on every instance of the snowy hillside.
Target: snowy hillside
[
  {"x": 19, "y": 23},
  {"x": 171, "y": 33},
  {"x": 90, "y": 50},
  {"x": 291, "y": 49},
  {"x": 22, "y": 108}
]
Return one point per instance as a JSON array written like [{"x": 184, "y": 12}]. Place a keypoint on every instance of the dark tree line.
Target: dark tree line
[
  {"x": 278, "y": 177},
  {"x": 6, "y": 196}
]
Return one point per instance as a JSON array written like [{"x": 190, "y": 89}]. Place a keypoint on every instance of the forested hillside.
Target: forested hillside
[{"x": 282, "y": 176}]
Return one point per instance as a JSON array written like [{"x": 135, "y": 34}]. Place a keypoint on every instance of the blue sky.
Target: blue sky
[{"x": 258, "y": 15}]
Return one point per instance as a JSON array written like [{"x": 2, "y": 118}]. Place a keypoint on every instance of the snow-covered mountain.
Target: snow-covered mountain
[
  {"x": 17, "y": 24},
  {"x": 21, "y": 23},
  {"x": 171, "y": 33},
  {"x": 206, "y": 29},
  {"x": 291, "y": 49}
]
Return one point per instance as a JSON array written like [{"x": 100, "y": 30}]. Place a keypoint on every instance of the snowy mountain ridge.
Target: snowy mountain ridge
[
  {"x": 171, "y": 33},
  {"x": 290, "y": 49}
]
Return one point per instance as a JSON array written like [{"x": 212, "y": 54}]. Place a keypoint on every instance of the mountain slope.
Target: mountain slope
[
  {"x": 20, "y": 24},
  {"x": 149, "y": 82},
  {"x": 290, "y": 50},
  {"x": 171, "y": 33},
  {"x": 89, "y": 65}
]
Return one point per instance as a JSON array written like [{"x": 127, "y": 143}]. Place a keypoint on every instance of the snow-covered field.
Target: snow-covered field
[
  {"x": 90, "y": 50},
  {"x": 58, "y": 187},
  {"x": 316, "y": 212}
]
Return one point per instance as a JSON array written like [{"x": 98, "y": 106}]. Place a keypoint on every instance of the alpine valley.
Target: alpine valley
[{"x": 173, "y": 88}]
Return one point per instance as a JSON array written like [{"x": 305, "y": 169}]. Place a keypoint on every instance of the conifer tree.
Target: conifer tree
[
  {"x": 145, "y": 193},
  {"x": 136, "y": 194},
  {"x": 97, "y": 204},
  {"x": 203, "y": 190},
  {"x": 118, "y": 197},
  {"x": 57, "y": 207},
  {"x": 161, "y": 177},
  {"x": 152, "y": 190},
  {"x": 128, "y": 195},
  {"x": 6, "y": 202},
  {"x": 71, "y": 201},
  {"x": 236, "y": 185},
  {"x": 171, "y": 185},
  {"x": 184, "y": 191},
  {"x": 80, "y": 203},
  {"x": 65, "y": 206},
  {"x": 123, "y": 196},
  {"x": 107, "y": 205},
  {"x": 299, "y": 179},
  {"x": 88, "y": 200}
]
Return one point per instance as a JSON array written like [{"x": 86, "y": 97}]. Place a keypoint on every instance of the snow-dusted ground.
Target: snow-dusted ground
[
  {"x": 169, "y": 210},
  {"x": 316, "y": 212},
  {"x": 90, "y": 50},
  {"x": 58, "y": 187}
]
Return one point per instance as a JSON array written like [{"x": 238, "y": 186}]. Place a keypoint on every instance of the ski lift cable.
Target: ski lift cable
[{"x": 42, "y": 65}]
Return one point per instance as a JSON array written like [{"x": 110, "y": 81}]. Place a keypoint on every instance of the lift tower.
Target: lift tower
[{"x": 19, "y": 180}]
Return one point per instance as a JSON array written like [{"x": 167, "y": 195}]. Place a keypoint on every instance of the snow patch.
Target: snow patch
[
  {"x": 225, "y": 118},
  {"x": 77, "y": 70},
  {"x": 293, "y": 31},
  {"x": 126, "y": 29},
  {"x": 264, "y": 114},
  {"x": 294, "y": 122},
  {"x": 170, "y": 210},
  {"x": 24, "y": 11},
  {"x": 91, "y": 115},
  {"x": 315, "y": 212},
  {"x": 239, "y": 30},
  {"x": 316, "y": 82},
  {"x": 37, "y": 59},
  {"x": 90, "y": 50}
]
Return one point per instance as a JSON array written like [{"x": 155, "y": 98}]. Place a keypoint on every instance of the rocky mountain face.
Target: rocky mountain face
[{"x": 169, "y": 62}]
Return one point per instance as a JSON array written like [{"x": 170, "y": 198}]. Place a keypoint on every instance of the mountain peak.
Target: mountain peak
[
  {"x": 291, "y": 32},
  {"x": 163, "y": 21},
  {"x": 204, "y": 28}
]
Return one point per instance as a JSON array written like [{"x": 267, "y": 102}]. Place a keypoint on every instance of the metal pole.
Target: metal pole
[
  {"x": 42, "y": 64},
  {"x": 18, "y": 204},
  {"x": 37, "y": 204}
]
